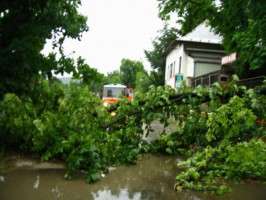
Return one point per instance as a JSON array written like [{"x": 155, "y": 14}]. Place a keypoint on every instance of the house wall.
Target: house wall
[
  {"x": 173, "y": 66},
  {"x": 194, "y": 62},
  {"x": 190, "y": 64}
]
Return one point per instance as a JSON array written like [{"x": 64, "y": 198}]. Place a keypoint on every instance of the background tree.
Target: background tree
[
  {"x": 143, "y": 82},
  {"x": 157, "y": 57},
  {"x": 129, "y": 70},
  {"x": 113, "y": 77},
  {"x": 242, "y": 23},
  {"x": 24, "y": 28},
  {"x": 89, "y": 76}
]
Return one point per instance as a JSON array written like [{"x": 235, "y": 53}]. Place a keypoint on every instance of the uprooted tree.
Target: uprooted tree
[
  {"x": 221, "y": 131},
  {"x": 70, "y": 124}
]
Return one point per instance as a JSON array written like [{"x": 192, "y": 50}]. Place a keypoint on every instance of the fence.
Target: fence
[
  {"x": 210, "y": 78},
  {"x": 252, "y": 82},
  {"x": 206, "y": 79}
]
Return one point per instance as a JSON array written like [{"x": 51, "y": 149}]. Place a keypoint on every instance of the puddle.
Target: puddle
[{"x": 150, "y": 179}]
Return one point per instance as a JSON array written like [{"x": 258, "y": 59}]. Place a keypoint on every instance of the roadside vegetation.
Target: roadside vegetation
[
  {"x": 221, "y": 139},
  {"x": 220, "y": 130}
]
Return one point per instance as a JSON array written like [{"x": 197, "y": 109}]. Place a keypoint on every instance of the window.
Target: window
[
  {"x": 113, "y": 92},
  {"x": 171, "y": 70},
  {"x": 174, "y": 69},
  {"x": 223, "y": 78},
  {"x": 109, "y": 93},
  {"x": 168, "y": 72},
  {"x": 180, "y": 64}
]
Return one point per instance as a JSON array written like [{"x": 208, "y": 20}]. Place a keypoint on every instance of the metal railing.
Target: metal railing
[
  {"x": 206, "y": 79},
  {"x": 210, "y": 78},
  {"x": 251, "y": 82}
]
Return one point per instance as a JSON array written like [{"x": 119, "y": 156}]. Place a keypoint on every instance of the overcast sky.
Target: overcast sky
[{"x": 117, "y": 29}]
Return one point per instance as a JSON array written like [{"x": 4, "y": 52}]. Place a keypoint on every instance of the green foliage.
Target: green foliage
[
  {"x": 230, "y": 121},
  {"x": 189, "y": 13},
  {"x": 24, "y": 28},
  {"x": 88, "y": 76},
  {"x": 46, "y": 95},
  {"x": 157, "y": 57},
  {"x": 113, "y": 77},
  {"x": 235, "y": 146},
  {"x": 18, "y": 119},
  {"x": 132, "y": 74},
  {"x": 129, "y": 70},
  {"x": 241, "y": 160},
  {"x": 216, "y": 135},
  {"x": 68, "y": 130},
  {"x": 240, "y": 22},
  {"x": 214, "y": 127},
  {"x": 142, "y": 82}
]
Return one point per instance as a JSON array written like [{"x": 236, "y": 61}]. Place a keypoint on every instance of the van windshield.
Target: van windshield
[{"x": 113, "y": 92}]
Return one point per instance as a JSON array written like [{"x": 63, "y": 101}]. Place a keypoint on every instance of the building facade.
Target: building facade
[{"x": 193, "y": 55}]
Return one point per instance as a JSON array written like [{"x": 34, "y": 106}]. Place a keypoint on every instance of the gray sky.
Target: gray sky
[{"x": 117, "y": 29}]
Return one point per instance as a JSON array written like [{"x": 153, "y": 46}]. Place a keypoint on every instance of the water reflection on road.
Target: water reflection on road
[{"x": 152, "y": 178}]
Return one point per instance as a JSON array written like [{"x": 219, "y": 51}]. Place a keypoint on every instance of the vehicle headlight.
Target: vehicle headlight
[
  {"x": 105, "y": 104},
  {"x": 112, "y": 114}
]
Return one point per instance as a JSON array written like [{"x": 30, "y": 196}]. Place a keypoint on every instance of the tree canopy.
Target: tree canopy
[
  {"x": 143, "y": 82},
  {"x": 240, "y": 22},
  {"x": 25, "y": 26},
  {"x": 157, "y": 57},
  {"x": 113, "y": 77},
  {"x": 129, "y": 70},
  {"x": 132, "y": 74}
]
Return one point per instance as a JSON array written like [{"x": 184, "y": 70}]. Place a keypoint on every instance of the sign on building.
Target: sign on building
[
  {"x": 178, "y": 80},
  {"x": 228, "y": 59}
]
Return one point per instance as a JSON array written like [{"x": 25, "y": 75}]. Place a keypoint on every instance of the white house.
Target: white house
[{"x": 197, "y": 53}]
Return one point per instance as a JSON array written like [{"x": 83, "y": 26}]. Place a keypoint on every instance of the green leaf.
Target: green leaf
[
  {"x": 168, "y": 150},
  {"x": 170, "y": 143}
]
